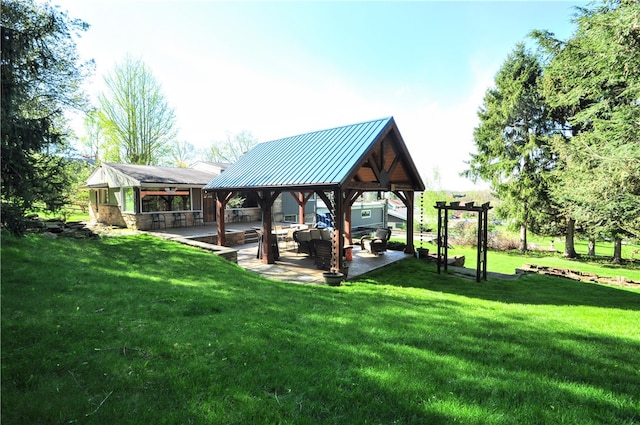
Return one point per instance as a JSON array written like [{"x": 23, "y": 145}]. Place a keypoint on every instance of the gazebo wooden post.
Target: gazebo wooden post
[
  {"x": 407, "y": 198},
  {"x": 338, "y": 230},
  {"x": 347, "y": 224},
  {"x": 301, "y": 198},
  {"x": 268, "y": 256},
  {"x": 350, "y": 198},
  {"x": 301, "y": 204},
  {"x": 266, "y": 199},
  {"x": 222, "y": 197}
]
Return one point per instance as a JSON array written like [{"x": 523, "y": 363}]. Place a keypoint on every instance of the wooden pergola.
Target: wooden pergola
[
  {"x": 338, "y": 165},
  {"x": 443, "y": 234}
]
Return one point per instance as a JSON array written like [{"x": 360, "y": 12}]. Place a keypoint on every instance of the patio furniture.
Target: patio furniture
[
  {"x": 306, "y": 238},
  {"x": 322, "y": 251},
  {"x": 288, "y": 239},
  {"x": 197, "y": 219},
  {"x": 303, "y": 239},
  {"x": 324, "y": 220},
  {"x": 274, "y": 245},
  {"x": 376, "y": 244},
  {"x": 157, "y": 220},
  {"x": 179, "y": 219}
]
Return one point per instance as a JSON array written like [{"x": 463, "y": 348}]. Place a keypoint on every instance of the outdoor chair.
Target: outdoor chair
[
  {"x": 273, "y": 240},
  {"x": 197, "y": 219},
  {"x": 322, "y": 251},
  {"x": 303, "y": 239},
  {"x": 376, "y": 244},
  {"x": 157, "y": 220},
  {"x": 179, "y": 219}
]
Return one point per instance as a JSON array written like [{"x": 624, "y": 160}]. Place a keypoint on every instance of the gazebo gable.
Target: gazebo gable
[{"x": 386, "y": 166}]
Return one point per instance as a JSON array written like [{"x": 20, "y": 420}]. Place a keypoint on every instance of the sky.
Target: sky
[{"x": 283, "y": 68}]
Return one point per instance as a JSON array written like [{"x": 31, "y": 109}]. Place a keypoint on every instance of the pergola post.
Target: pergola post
[{"x": 440, "y": 237}]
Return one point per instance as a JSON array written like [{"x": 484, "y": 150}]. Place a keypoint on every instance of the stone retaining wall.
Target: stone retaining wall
[{"x": 223, "y": 251}]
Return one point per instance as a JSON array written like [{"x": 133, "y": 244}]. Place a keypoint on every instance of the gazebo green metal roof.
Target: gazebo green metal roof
[{"x": 325, "y": 158}]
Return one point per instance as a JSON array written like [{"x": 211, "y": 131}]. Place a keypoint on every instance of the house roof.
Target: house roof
[
  {"x": 123, "y": 175},
  {"x": 370, "y": 156},
  {"x": 214, "y": 167}
]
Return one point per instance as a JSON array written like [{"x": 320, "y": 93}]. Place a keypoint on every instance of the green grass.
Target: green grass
[
  {"x": 68, "y": 214},
  {"x": 507, "y": 262},
  {"x": 134, "y": 330}
]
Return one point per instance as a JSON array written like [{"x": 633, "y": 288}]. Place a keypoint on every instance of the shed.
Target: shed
[{"x": 338, "y": 164}]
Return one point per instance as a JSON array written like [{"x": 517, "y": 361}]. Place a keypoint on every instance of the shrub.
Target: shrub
[{"x": 396, "y": 246}]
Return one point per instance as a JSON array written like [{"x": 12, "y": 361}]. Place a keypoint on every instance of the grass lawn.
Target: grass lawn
[
  {"x": 507, "y": 262},
  {"x": 67, "y": 214},
  {"x": 138, "y": 330}
]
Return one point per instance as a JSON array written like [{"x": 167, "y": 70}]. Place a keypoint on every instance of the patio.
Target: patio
[{"x": 291, "y": 266}]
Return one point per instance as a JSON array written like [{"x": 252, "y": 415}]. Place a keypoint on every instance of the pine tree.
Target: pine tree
[
  {"x": 513, "y": 144},
  {"x": 41, "y": 76}
]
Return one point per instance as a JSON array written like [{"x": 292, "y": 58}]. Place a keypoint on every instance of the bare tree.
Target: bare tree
[
  {"x": 137, "y": 121},
  {"x": 182, "y": 153},
  {"x": 232, "y": 148}
]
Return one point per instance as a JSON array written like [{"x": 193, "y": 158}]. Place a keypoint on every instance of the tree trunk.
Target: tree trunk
[
  {"x": 592, "y": 248},
  {"x": 523, "y": 238},
  {"x": 569, "y": 247},
  {"x": 617, "y": 250}
]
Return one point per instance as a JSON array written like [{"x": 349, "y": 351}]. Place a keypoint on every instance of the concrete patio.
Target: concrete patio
[{"x": 291, "y": 266}]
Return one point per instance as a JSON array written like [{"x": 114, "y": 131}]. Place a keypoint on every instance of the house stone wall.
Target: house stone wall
[{"x": 107, "y": 214}]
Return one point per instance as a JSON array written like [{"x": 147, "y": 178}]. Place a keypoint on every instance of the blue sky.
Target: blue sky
[{"x": 279, "y": 69}]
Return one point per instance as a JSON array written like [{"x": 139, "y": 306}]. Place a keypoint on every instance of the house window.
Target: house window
[
  {"x": 128, "y": 202},
  {"x": 291, "y": 218},
  {"x": 165, "y": 199},
  {"x": 107, "y": 197},
  {"x": 365, "y": 213}
]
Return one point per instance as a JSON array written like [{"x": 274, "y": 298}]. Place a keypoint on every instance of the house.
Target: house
[{"x": 129, "y": 195}]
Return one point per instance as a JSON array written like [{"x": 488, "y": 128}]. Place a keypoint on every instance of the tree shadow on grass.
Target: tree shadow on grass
[
  {"x": 527, "y": 289},
  {"x": 130, "y": 342}
]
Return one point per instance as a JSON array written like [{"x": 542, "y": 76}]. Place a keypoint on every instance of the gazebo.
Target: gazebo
[{"x": 337, "y": 164}]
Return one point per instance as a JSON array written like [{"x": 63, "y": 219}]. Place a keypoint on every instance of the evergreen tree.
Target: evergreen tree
[
  {"x": 41, "y": 76},
  {"x": 513, "y": 144},
  {"x": 594, "y": 78}
]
